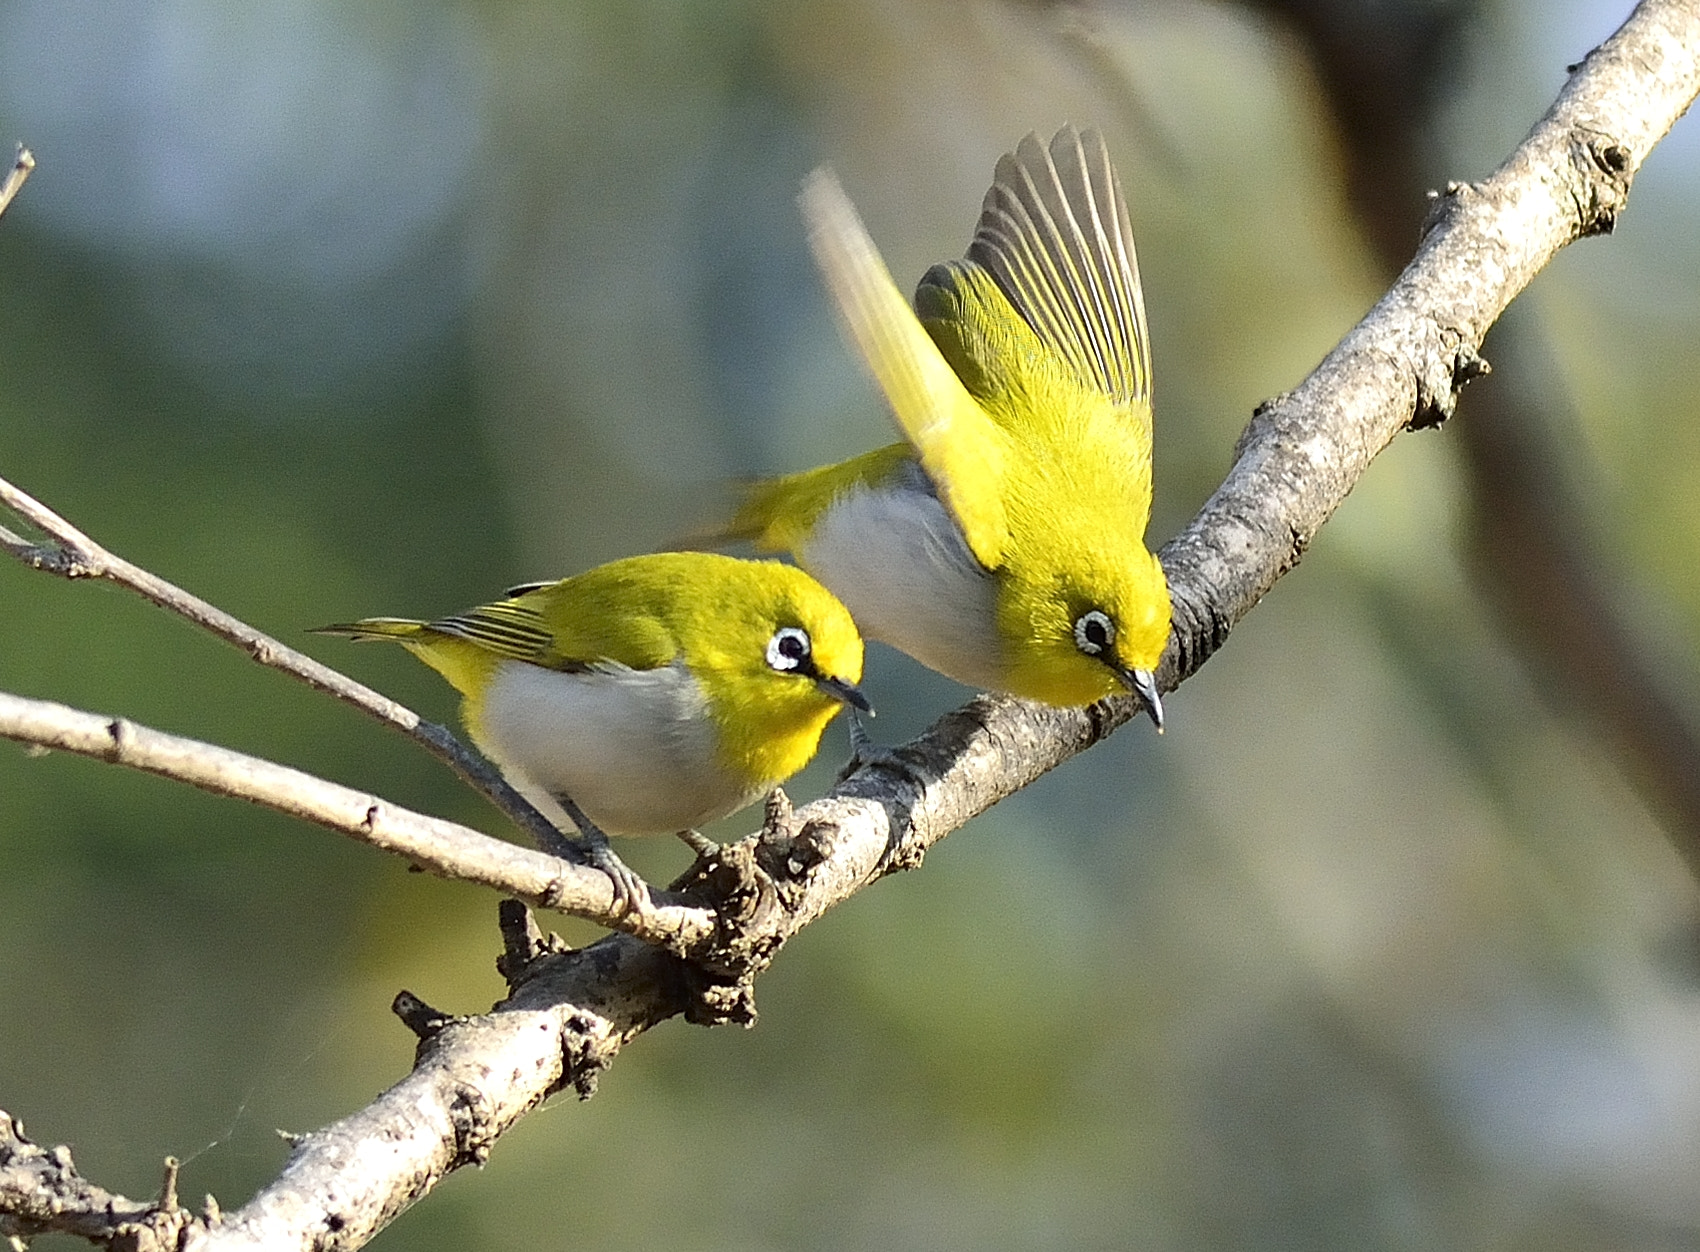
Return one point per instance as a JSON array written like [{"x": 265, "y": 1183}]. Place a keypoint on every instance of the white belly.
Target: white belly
[
  {"x": 902, "y": 568},
  {"x": 634, "y": 749}
]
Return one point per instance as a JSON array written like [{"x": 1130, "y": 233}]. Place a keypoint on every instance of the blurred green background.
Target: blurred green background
[{"x": 323, "y": 309}]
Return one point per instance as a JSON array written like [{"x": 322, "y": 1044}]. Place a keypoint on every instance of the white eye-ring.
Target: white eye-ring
[
  {"x": 788, "y": 650},
  {"x": 1094, "y": 633}
]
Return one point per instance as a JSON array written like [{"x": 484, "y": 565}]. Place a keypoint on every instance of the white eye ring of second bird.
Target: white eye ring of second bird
[{"x": 1083, "y": 633}]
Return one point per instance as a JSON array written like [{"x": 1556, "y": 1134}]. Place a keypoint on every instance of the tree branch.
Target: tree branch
[
  {"x": 22, "y": 164},
  {"x": 72, "y": 554},
  {"x": 441, "y": 847},
  {"x": 570, "y": 1013},
  {"x": 41, "y": 1192}
]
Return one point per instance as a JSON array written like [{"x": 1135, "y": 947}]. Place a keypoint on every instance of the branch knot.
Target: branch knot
[
  {"x": 1605, "y": 168},
  {"x": 420, "y": 1017}
]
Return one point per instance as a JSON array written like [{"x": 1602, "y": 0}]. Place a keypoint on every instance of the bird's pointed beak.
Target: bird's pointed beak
[
  {"x": 1143, "y": 683},
  {"x": 847, "y": 693}
]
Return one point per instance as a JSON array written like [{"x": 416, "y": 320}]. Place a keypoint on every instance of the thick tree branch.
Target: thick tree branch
[
  {"x": 570, "y": 1013},
  {"x": 41, "y": 1192},
  {"x": 1403, "y": 364}
]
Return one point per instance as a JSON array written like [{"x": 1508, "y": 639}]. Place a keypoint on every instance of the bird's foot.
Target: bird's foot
[
  {"x": 631, "y": 893},
  {"x": 864, "y": 751},
  {"x": 557, "y": 842}
]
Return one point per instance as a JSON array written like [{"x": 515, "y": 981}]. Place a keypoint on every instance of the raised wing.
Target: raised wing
[
  {"x": 1054, "y": 234},
  {"x": 961, "y": 449}
]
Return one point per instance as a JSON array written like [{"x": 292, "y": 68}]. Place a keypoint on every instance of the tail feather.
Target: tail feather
[
  {"x": 369, "y": 628},
  {"x": 464, "y": 663},
  {"x": 777, "y": 514},
  {"x": 760, "y": 516}
]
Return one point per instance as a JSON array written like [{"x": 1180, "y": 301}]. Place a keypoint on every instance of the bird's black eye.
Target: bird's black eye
[
  {"x": 788, "y": 650},
  {"x": 1094, "y": 632}
]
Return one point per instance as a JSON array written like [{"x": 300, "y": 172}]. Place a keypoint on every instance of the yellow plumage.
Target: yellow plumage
[
  {"x": 650, "y": 694},
  {"x": 1003, "y": 542}
]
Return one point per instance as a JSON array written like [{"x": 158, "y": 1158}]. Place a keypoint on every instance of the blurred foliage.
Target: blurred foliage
[{"x": 330, "y": 309}]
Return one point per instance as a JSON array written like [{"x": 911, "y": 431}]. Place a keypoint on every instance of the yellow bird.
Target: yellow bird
[
  {"x": 1002, "y": 543},
  {"x": 648, "y": 695}
]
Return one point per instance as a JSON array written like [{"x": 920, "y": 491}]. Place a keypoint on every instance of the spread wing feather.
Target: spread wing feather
[{"x": 1054, "y": 234}]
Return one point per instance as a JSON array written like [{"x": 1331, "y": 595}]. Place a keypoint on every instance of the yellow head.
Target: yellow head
[
  {"x": 775, "y": 653},
  {"x": 1094, "y": 624},
  {"x": 1083, "y": 605}
]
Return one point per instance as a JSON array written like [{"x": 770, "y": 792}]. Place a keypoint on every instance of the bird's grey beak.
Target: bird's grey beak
[
  {"x": 848, "y": 693},
  {"x": 1143, "y": 683}
]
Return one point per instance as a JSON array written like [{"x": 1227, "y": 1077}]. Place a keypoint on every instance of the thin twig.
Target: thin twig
[
  {"x": 441, "y": 847},
  {"x": 72, "y": 554},
  {"x": 22, "y": 164}
]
